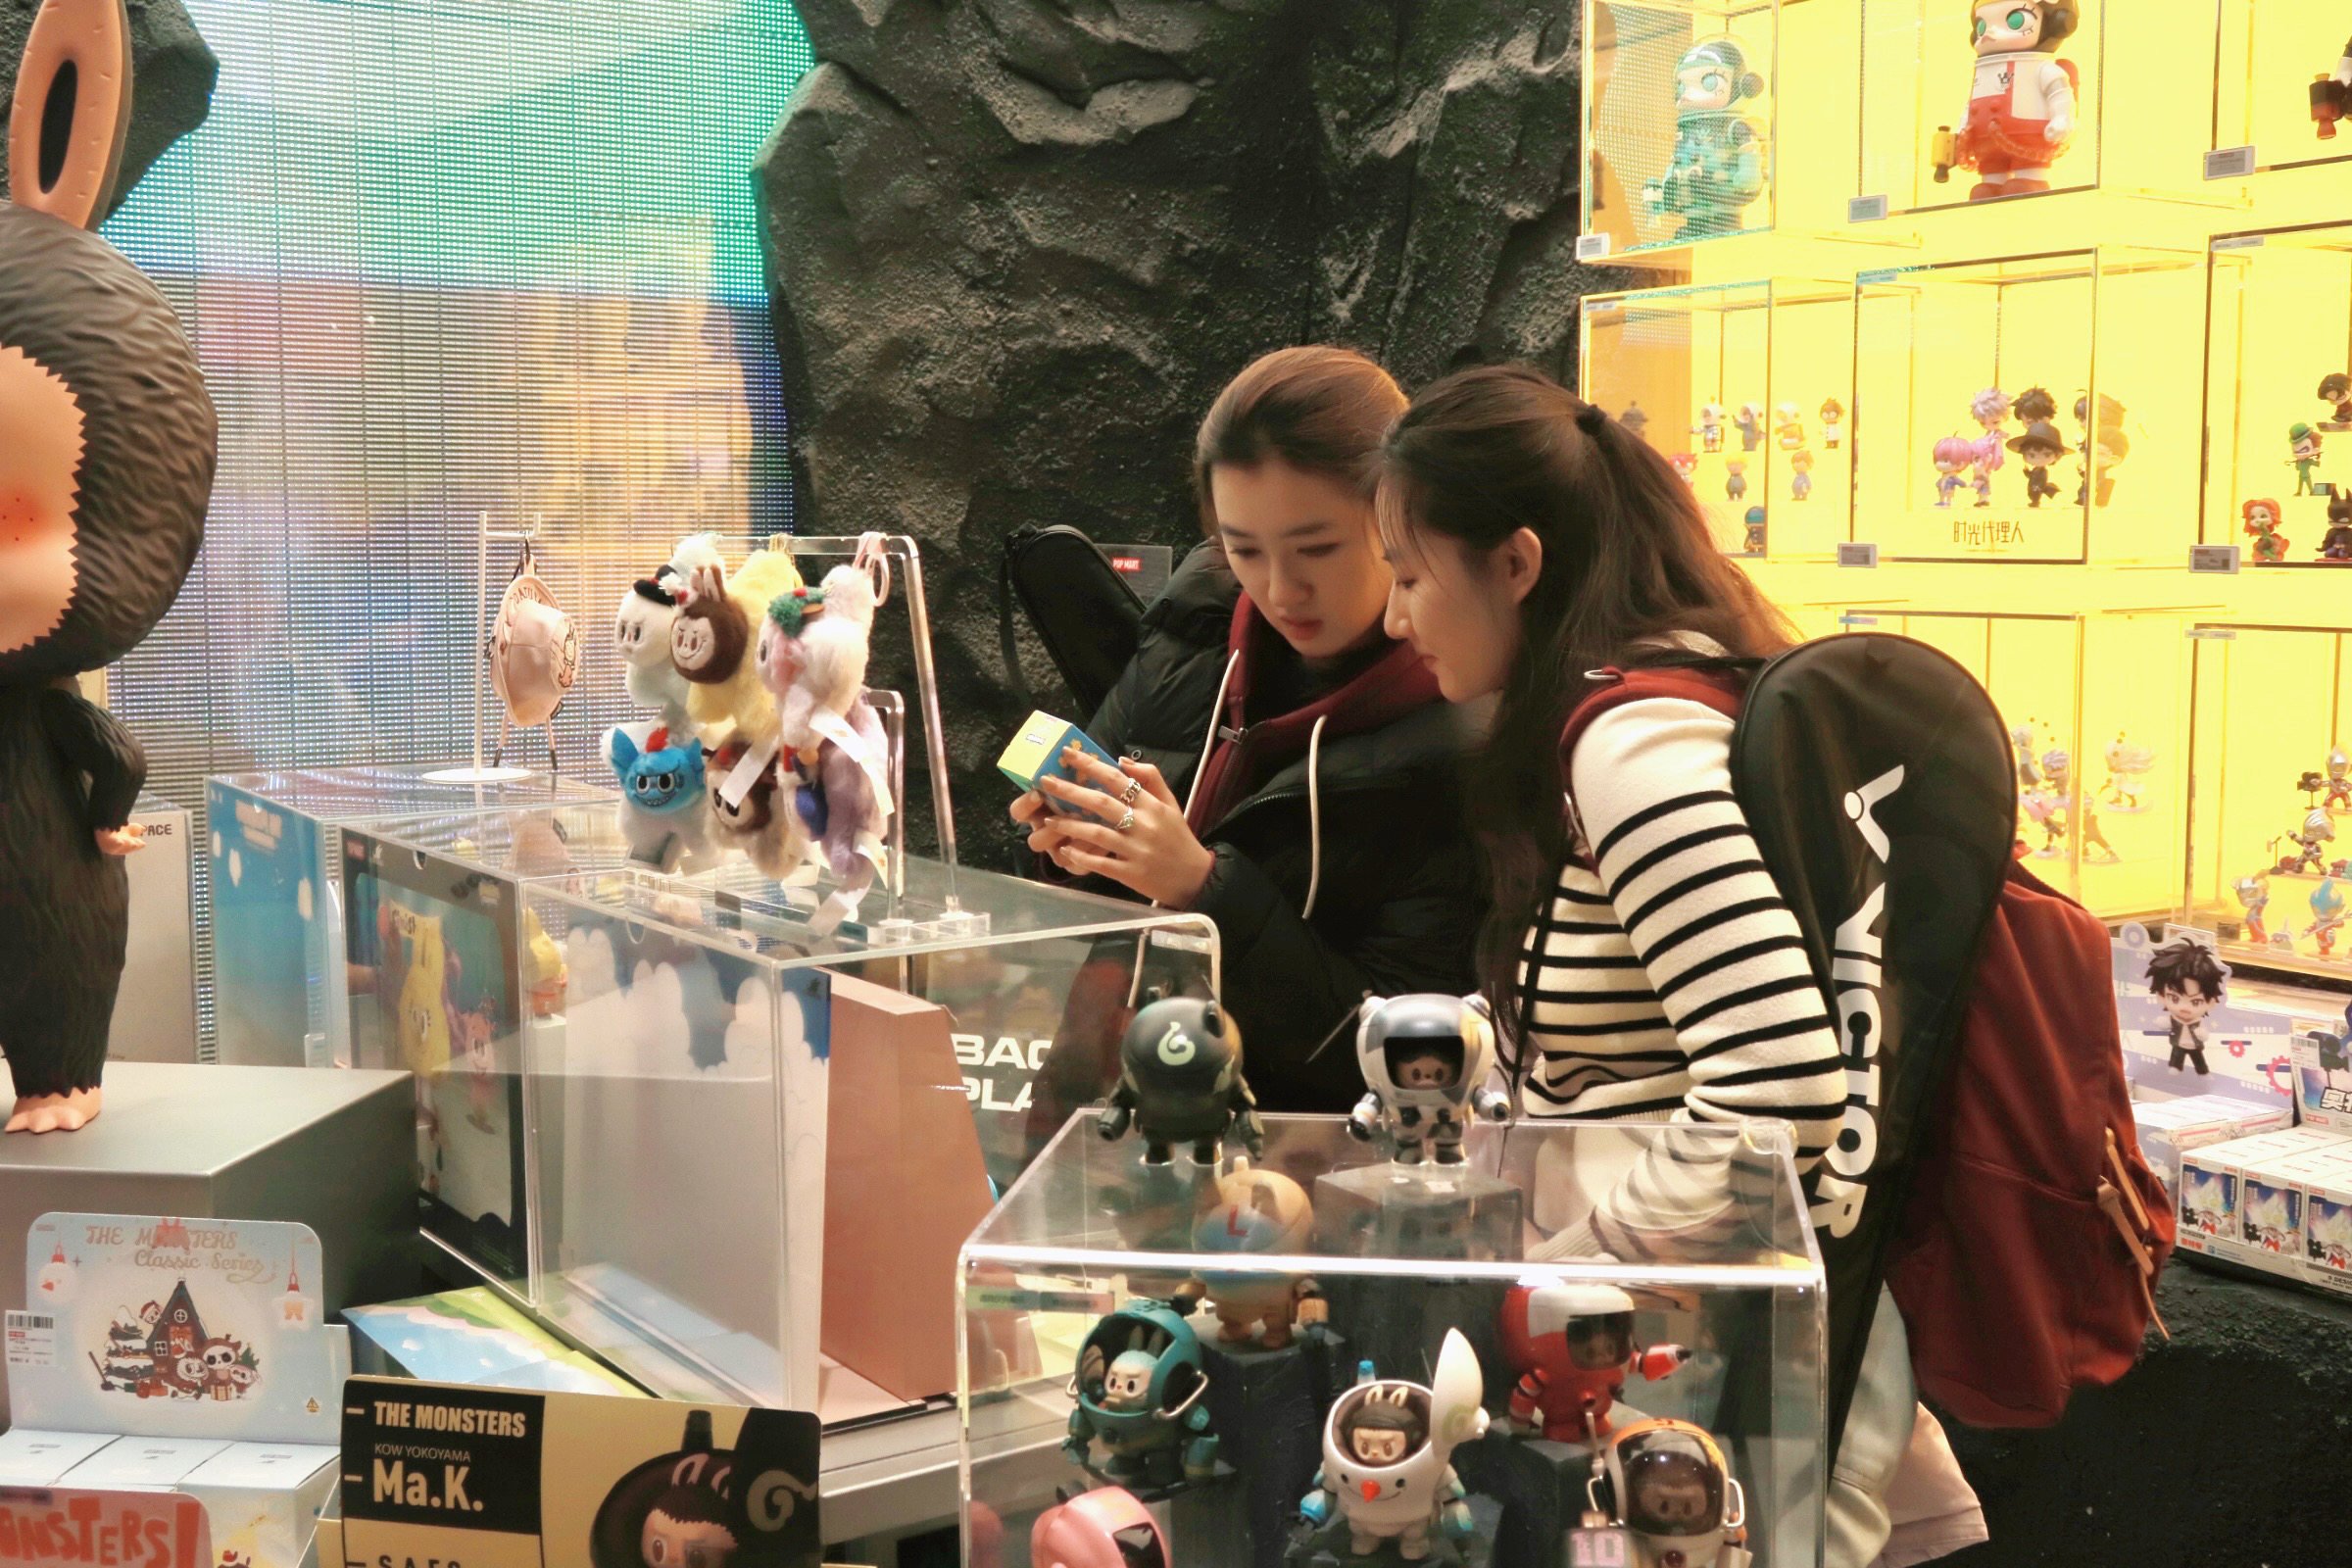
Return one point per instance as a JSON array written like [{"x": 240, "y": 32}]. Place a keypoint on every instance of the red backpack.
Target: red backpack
[{"x": 1988, "y": 1170}]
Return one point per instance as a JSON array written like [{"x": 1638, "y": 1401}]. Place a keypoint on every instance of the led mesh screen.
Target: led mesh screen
[{"x": 441, "y": 258}]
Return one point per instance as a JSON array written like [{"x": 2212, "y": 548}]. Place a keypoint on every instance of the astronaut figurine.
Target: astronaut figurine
[
  {"x": 1710, "y": 429},
  {"x": 2021, "y": 111},
  {"x": 1140, "y": 1395},
  {"x": 1662, "y": 1496},
  {"x": 1425, "y": 1060},
  {"x": 1573, "y": 1347},
  {"x": 1180, "y": 1082},
  {"x": 1717, "y": 167},
  {"x": 1388, "y": 1452}
]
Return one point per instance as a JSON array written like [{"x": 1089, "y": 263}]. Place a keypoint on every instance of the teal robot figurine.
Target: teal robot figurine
[
  {"x": 1140, "y": 1398},
  {"x": 1717, "y": 166},
  {"x": 1180, "y": 1082}
]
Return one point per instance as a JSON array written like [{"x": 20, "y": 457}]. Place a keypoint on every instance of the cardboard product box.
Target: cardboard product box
[
  {"x": 2213, "y": 1218},
  {"x": 2270, "y": 1209},
  {"x": 2328, "y": 1228},
  {"x": 2170, "y": 1128},
  {"x": 2322, "y": 1073}
]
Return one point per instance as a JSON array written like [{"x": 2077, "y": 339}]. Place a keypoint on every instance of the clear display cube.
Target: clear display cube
[
  {"x": 1680, "y": 105},
  {"x": 1186, "y": 1349}
]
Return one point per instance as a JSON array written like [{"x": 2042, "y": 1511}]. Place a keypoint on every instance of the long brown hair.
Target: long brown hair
[
  {"x": 1628, "y": 557},
  {"x": 1318, "y": 407}
]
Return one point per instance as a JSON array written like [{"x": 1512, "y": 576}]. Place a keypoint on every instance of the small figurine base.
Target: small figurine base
[
  {"x": 1331, "y": 1546},
  {"x": 1539, "y": 1488},
  {"x": 1269, "y": 1408},
  {"x": 1417, "y": 1211}
]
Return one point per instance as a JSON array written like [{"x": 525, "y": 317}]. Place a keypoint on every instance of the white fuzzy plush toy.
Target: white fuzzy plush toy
[
  {"x": 641, "y": 632},
  {"x": 834, "y": 649}
]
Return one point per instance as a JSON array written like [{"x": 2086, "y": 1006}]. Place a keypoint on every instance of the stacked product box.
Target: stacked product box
[
  {"x": 2277, "y": 1202},
  {"x": 2170, "y": 1128}
]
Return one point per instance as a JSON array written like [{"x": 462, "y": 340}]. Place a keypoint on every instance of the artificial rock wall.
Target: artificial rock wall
[
  {"x": 1017, "y": 246},
  {"x": 173, "y": 72}
]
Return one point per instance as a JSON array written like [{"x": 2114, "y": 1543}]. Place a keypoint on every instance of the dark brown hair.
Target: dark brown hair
[
  {"x": 1318, "y": 407},
  {"x": 1628, "y": 557}
]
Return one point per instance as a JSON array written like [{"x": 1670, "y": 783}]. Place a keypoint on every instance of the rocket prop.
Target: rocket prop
[{"x": 107, "y": 449}]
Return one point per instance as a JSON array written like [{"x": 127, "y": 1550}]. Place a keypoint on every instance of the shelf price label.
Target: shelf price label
[
  {"x": 2214, "y": 559},
  {"x": 1866, "y": 210},
  {"x": 1857, "y": 554},
  {"x": 1592, "y": 247},
  {"x": 2229, "y": 163}
]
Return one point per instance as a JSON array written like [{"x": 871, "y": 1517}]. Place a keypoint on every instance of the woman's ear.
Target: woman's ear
[
  {"x": 72, "y": 109},
  {"x": 1520, "y": 559}
]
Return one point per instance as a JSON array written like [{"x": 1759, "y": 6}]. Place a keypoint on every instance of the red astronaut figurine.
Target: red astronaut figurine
[{"x": 1573, "y": 1346}]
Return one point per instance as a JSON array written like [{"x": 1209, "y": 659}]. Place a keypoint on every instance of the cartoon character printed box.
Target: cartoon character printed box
[
  {"x": 2188, "y": 1031},
  {"x": 185, "y": 1354}
]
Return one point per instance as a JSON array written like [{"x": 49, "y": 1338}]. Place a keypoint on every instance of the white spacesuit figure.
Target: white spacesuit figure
[
  {"x": 1665, "y": 1485},
  {"x": 1388, "y": 1451},
  {"x": 1425, "y": 1060}
]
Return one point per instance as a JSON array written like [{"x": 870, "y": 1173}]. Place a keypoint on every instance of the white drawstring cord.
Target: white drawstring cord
[
  {"x": 1217, "y": 712},
  {"x": 1315, "y": 818}
]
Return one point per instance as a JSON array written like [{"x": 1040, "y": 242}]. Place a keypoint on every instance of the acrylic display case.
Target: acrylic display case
[
  {"x": 697, "y": 1184},
  {"x": 2270, "y": 834},
  {"x": 2281, "y": 83},
  {"x": 1745, "y": 389},
  {"x": 1188, "y": 1334},
  {"x": 2027, "y": 408},
  {"x": 2096, "y": 709},
  {"x": 1941, "y": 127},
  {"x": 278, "y": 914},
  {"x": 1678, "y": 125},
  {"x": 2278, "y": 395}
]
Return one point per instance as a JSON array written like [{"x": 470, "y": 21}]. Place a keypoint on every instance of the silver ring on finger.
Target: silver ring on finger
[
  {"x": 1135, "y": 787},
  {"x": 1125, "y": 823}
]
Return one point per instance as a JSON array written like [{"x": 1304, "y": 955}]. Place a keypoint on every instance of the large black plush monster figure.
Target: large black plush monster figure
[{"x": 107, "y": 444}]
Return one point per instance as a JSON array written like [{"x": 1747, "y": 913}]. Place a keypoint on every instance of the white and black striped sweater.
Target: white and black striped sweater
[{"x": 1673, "y": 985}]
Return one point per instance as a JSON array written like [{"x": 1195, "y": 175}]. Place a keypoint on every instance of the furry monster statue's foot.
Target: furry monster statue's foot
[{"x": 53, "y": 1113}]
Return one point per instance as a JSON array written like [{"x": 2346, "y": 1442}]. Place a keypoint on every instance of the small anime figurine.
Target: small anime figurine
[
  {"x": 1634, "y": 420},
  {"x": 665, "y": 795},
  {"x": 108, "y": 445},
  {"x": 1750, "y": 424},
  {"x": 1789, "y": 427},
  {"x": 1710, "y": 429},
  {"x": 2336, "y": 390},
  {"x": 1425, "y": 1060},
  {"x": 2034, "y": 404},
  {"x": 1954, "y": 456},
  {"x": 1573, "y": 1347},
  {"x": 2339, "y": 780},
  {"x": 1263, "y": 1213},
  {"x": 1753, "y": 524},
  {"x": 1388, "y": 1451},
  {"x": 1833, "y": 417},
  {"x": 2331, "y": 96},
  {"x": 2336, "y": 543},
  {"x": 1717, "y": 166},
  {"x": 2188, "y": 980},
  {"x": 2303, "y": 455},
  {"x": 2318, "y": 829},
  {"x": 2102, "y": 449},
  {"x": 1801, "y": 476},
  {"x": 2021, "y": 110},
  {"x": 2262, "y": 527},
  {"x": 1180, "y": 1082},
  {"x": 2037, "y": 448},
  {"x": 1734, "y": 478},
  {"x": 1107, "y": 1527},
  {"x": 2327, "y": 916},
  {"x": 2021, "y": 741},
  {"x": 1141, "y": 1393},
  {"x": 1661, "y": 1496},
  {"x": 2128, "y": 768},
  {"x": 2254, "y": 897},
  {"x": 1687, "y": 466}
]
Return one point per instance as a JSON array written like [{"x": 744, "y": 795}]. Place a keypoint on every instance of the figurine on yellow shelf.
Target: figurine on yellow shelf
[
  {"x": 2327, "y": 916},
  {"x": 2021, "y": 110},
  {"x": 1634, "y": 420},
  {"x": 2262, "y": 527},
  {"x": 2302, "y": 455},
  {"x": 2254, "y": 897},
  {"x": 1954, "y": 456},
  {"x": 2331, "y": 96},
  {"x": 1687, "y": 466},
  {"x": 2336, "y": 390},
  {"x": 1753, "y": 541},
  {"x": 1717, "y": 167},
  {"x": 1734, "y": 478},
  {"x": 2309, "y": 853},
  {"x": 2104, "y": 446},
  {"x": 1801, "y": 476},
  {"x": 1789, "y": 427},
  {"x": 2336, "y": 545},
  {"x": 1750, "y": 420},
  {"x": 1710, "y": 429},
  {"x": 2339, "y": 780},
  {"x": 1833, "y": 418},
  {"x": 2128, "y": 768},
  {"x": 2037, "y": 448}
]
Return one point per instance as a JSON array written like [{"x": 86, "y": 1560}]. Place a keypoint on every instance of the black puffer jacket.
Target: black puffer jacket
[{"x": 1396, "y": 900}]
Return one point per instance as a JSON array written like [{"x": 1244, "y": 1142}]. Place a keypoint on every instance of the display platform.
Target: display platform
[{"x": 232, "y": 1143}]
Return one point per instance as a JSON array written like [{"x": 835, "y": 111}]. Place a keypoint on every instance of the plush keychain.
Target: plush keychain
[
  {"x": 833, "y": 776},
  {"x": 107, "y": 447},
  {"x": 665, "y": 800},
  {"x": 711, "y": 645},
  {"x": 640, "y": 633}
]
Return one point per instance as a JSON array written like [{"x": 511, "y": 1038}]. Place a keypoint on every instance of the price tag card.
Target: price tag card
[{"x": 494, "y": 1477}]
